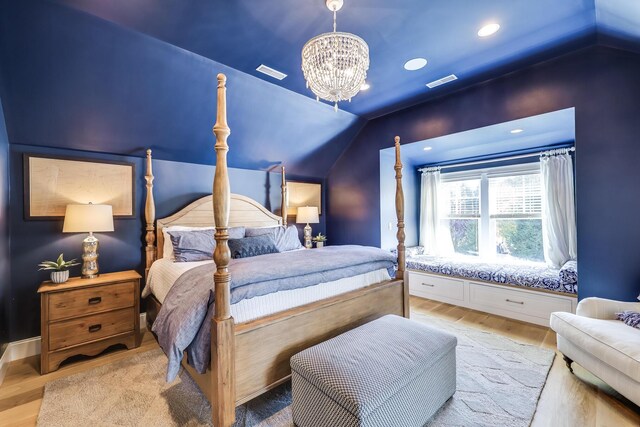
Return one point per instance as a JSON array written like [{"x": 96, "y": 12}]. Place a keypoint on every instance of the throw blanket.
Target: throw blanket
[{"x": 184, "y": 322}]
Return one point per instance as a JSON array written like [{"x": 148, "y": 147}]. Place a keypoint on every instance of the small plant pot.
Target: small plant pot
[
  {"x": 59, "y": 276},
  {"x": 319, "y": 244}
]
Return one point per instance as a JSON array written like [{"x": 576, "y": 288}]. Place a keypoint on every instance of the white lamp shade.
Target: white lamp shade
[
  {"x": 88, "y": 218},
  {"x": 307, "y": 215}
]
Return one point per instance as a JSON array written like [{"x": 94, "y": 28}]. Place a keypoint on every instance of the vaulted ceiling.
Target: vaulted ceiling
[
  {"x": 119, "y": 76},
  {"x": 246, "y": 33}
]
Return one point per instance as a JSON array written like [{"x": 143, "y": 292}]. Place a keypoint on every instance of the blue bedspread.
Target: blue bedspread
[
  {"x": 531, "y": 275},
  {"x": 184, "y": 321}
]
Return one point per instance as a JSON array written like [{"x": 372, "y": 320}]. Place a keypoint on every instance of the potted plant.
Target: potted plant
[
  {"x": 320, "y": 239},
  {"x": 59, "y": 267}
]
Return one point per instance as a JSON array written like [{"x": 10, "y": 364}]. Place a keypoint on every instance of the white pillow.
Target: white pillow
[{"x": 167, "y": 247}]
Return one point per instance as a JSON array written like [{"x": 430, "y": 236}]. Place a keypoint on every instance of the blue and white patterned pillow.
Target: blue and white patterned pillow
[
  {"x": 252, "y": 246},
  {"x": 569, "y": 274},
  {"x": 631, "y": 318}
]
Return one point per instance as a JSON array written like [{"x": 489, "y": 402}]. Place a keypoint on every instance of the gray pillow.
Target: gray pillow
[
  {"x": 192, "y": 245},
  {"x": 252, "y": 246},
  {"x": 286, "y": 239},
  {"x": 197, "y": 245}
]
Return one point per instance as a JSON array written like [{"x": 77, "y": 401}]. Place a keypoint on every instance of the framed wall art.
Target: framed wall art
[
  {"x": 52, "y": 183},
  {"x": 303, "y": 194}
]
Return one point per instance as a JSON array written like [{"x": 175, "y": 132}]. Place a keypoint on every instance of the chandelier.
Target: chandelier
[{"x": 335, "y": 64}]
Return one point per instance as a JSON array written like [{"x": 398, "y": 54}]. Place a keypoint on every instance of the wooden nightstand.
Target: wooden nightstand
[{"x": 85, "y": 316}]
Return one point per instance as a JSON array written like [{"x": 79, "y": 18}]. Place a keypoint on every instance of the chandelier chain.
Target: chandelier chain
[{"x": 335, "y": 13}]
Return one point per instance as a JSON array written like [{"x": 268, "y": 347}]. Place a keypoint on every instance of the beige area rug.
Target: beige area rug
[{"x": 498, "y": 383}]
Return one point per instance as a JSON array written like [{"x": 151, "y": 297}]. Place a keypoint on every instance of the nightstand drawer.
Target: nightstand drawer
[
  {"x": 79, "y": 302},
  {"x": 89, "y": 328}
]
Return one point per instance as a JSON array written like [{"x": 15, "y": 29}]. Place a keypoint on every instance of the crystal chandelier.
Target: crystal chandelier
[{"x": 335, "y": 64}]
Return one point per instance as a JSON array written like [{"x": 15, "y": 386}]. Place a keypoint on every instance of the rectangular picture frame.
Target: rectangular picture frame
[
  {"x": 303, "y": 194},
  {"x": 53, "y": 182}
]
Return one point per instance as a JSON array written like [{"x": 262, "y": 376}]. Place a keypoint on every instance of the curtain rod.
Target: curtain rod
[{"x": 502, "y": 159}]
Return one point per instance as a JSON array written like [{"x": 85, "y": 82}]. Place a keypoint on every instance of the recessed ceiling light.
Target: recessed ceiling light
[
  {"x": 415, "y": 64},
  {"x": 365, "y": 86},
  {"x": 517, "y": 131},
  {"x": 488, "y": 30},
  {"x": 427, "y": 148}
]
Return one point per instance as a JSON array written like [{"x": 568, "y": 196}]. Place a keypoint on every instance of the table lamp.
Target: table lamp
[
  {"x": 88, "y": 219},
  {"x": 307, "y": 215}
]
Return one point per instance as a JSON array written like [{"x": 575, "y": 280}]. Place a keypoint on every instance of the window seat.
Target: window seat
[{"x": 526, "y": 274}]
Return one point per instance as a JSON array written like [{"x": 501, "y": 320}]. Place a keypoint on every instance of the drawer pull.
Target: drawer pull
[
  {"x": 95, "y": 328},
  {"x": 429, "y": 284},
  {"x": 95, "y": 300},
  {"x": 514, "y": 302}
]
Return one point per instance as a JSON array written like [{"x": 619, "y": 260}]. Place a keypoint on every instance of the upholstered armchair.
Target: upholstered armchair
[{"x": 601, "y": 344}]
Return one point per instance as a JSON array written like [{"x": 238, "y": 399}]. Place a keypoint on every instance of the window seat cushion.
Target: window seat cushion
[{"x": 526, "y": 274}]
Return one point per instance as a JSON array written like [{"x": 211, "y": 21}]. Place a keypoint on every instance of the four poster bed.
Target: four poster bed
[{"x": 250, "y": 357}]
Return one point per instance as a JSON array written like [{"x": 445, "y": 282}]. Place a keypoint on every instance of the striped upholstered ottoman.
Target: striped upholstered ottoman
[{"x": 389, "y": 372}]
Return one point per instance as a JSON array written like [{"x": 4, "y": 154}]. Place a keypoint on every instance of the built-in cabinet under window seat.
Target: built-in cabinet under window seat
[{"x": 528, "y": 292}]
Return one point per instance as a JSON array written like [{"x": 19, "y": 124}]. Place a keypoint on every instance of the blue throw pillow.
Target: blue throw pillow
[
  {"x": 192, "y": 245},
  {"x": 252, "y": 246},
  {"x": 286, "y": 239},
  {"x": 630, "y": 318},
  {"x": 197, "y": 245}
]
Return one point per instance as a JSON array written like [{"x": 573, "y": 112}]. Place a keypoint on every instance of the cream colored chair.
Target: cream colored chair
[{"x": 601, "y": 344}]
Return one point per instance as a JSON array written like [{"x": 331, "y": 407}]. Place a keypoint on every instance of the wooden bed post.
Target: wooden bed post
[
  {"x": 284, "y": 203},
  {"x": 150, "y": 218},
  {"x": 400, "y": 274},
  {"x": 223, "y": 399}
]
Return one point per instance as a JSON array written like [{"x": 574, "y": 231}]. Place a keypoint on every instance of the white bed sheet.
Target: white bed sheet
[{"x": 164, "y": 273}]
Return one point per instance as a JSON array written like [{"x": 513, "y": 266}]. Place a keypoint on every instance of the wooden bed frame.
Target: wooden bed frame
[{"x": 248, "y": 359}]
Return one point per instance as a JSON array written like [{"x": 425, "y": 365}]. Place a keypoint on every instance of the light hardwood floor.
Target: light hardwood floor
[{"x": 567, "y": 400}]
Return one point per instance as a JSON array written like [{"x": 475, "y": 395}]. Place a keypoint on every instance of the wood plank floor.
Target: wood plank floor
[{"x": 567, "y": 400}]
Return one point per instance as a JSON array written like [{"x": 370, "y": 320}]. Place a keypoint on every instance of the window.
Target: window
[
  {"x": 461, "y": 213},
  {"x": 493, "y": 212}
]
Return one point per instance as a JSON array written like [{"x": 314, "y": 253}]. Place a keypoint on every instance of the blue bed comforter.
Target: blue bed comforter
[{"x": 184, "y": 321}]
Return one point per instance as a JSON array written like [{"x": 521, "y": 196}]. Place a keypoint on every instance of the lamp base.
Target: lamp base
[
  {"x": 307, "y": 237},
  {"x": 90, "y": 257}
]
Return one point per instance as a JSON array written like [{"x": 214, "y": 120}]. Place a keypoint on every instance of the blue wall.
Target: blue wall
[
  {"x": 603, "y": 86},
  {"x": 176, "y": 184},
  {"x": 71, "y": 80},
  {"x": 4, "y": 234}
]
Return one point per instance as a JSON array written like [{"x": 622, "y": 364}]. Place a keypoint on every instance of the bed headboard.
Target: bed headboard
[{"x": 244, "y": 212}]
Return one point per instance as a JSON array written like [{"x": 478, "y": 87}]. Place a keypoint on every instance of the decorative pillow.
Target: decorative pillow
[
  {"x": 286, "y": 239},
  {"x": 631, "y": 318},
  {"x": 569, "y": 273},
  {"x": 167, "y": 248},
  {"x": 252, "y": 246},
  {"x": 193, "y": 245},
  {"x": 189, "y": 244}
]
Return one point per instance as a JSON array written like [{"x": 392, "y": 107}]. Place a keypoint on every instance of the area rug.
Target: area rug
[{"x": 498, "y": 383}]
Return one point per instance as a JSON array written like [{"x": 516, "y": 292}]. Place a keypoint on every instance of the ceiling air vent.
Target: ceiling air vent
[
  {"x": 271, "y": 72},
  {"x": 436, "y": 83}
]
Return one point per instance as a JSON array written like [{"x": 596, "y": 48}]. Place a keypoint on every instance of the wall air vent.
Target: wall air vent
[
  {"x": 271, "y": 72},
  {"x": 436, "y": 83}
]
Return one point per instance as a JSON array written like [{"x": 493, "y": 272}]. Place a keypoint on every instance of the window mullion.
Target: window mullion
[{"x": 485, "y": 244}]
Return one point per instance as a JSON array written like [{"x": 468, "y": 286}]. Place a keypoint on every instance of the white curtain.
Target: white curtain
[
  {"x": 429, "y": 211},
  {"x": 558, "y": 209}
]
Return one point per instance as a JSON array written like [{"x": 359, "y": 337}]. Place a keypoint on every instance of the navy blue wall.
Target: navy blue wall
[
  {"x": 176, "y": 184},
  {"x": 71, "y": 80},
  {"x": 601, "y": 83},
  {"x": 4, "y": 234}
]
